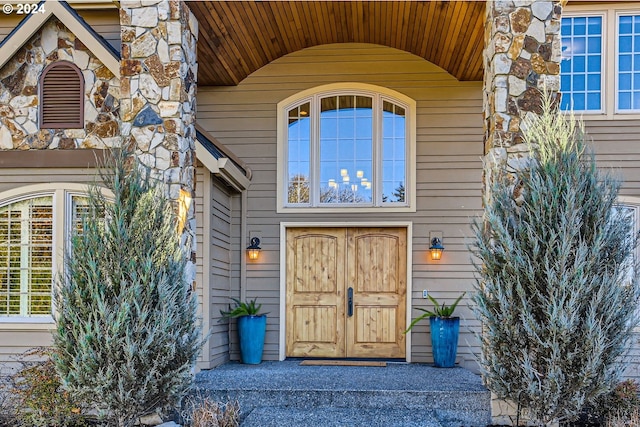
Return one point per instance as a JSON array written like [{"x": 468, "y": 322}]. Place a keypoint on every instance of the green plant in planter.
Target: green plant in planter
[
  {"x": 242, "y": 308},
  {"x": 444, "y": 331},
  {"x": 252, "y": 326},
  {"x": 439, "y": 310}
]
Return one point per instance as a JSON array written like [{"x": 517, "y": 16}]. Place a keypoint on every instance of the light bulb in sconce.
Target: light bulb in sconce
[{"x": 436, "y": 249}]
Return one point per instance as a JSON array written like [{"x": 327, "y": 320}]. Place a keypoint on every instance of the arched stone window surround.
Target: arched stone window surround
[
  {"x": 61, "y": 96},
  {"x": 61, "y": 196},
  {"x": 381, "y": 94}
]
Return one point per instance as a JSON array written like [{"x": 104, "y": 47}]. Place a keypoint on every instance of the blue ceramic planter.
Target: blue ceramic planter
[
  {"x": 444, "y": 340},
  {"x": 251, "y": 331}
]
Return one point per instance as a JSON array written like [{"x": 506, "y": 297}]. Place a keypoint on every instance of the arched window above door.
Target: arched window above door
[{"x": 347, "y": 146}]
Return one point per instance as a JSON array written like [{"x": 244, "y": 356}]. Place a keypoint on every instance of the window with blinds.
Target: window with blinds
[
  {"x": 26, "y": 257},
  {"x": 62, "y": 96}
]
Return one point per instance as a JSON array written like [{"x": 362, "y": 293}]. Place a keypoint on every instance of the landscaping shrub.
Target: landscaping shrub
[
  {"x": 127, "y": 336},
  {"x": 41, "y": 401},
  {"x": 556, "y": 288},
  {"x": 622, "y": 402},
  {"x": 204, "y": 412}
]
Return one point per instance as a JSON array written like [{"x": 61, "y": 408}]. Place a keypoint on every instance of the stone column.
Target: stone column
[
  {"x": 521, "y": 57},
  {"x": 158, "y": 96}
]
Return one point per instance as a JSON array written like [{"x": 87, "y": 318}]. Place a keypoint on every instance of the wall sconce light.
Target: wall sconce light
[
  {"x": 184, "y": 203},
  {"x": 436, "y": 249},
  {"x": 254, "y": 248}
]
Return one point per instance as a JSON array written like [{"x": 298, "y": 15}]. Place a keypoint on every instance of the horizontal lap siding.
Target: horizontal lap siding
[
  {"x": 221, "y": 269},
  {"x": 16, "y": 340},
  {"x": 106, "y": 23},
  {"x": 449, "y": 175},
  {"x": 617, "y": 147}
]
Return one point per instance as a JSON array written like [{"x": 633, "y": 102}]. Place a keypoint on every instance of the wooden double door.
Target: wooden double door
[{"x": 346, "y": 292}]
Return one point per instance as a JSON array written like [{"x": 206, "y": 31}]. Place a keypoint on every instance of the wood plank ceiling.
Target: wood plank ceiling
[{"x": 238, "y": 37}]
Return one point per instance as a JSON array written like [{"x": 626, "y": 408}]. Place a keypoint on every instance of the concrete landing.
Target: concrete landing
[{"x": 400, "y": 394}]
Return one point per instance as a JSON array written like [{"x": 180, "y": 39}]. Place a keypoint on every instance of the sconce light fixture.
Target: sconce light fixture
[
  {"x": 254, "y": 248},
  {"x": 436, "y": 249}
]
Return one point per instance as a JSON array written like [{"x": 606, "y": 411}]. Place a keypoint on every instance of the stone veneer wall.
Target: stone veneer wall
[
  {"x": 19, "y": 98},
  {"x": 521, "y": 58},
  {"x": 158, "y": 73}
]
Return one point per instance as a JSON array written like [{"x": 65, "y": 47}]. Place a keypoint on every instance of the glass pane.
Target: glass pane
[
  {"x": 393, "y": 154},
  {"x": 346, "y": 149},
  {"x": 298, "y": 154},
  {"x": 581, "y": 63},
  {"x": 26, "y": 257},
  {"x": 628, "y": 62}
]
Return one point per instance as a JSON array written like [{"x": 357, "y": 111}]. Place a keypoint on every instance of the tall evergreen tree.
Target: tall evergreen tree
[
  {"x": 127, "y": 335},
  {"x": 557, "y": 288}
]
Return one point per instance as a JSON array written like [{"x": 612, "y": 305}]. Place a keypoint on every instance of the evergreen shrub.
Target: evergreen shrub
[
  {"x": 127, "y": 335},
  {"x": 557, "y": 288}
]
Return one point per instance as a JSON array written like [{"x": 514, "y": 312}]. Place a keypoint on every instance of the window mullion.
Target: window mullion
[
  {"x": 376, "y": 140},
  {"x": 314, "y": 152}
]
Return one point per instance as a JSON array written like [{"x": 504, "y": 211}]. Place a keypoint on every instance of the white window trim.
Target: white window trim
[
  {"x": 633, "y": 202},
  {"x": 61, "y": 193},
  {"x": 338, "y": 88},
  {"x": 610, "y": 11}
]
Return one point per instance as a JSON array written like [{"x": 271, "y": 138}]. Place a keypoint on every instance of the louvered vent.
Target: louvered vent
[{"x": 62, "y": 96}]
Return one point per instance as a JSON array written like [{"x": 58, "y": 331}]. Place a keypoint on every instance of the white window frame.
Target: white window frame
[
  {"x": 61, "y": 194},
  {"x": 610, "y": 11},
  {"x": 378, "y": 92}
]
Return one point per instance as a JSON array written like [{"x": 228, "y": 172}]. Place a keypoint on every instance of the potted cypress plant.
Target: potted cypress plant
[
  {"x": 445, "y": 329},
  {"x": 252, "y": 326}
]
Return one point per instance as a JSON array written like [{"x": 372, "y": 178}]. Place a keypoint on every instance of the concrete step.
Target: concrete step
[
  {"x": 339, "y": 417},
  {"x": 284, "y": 393}
]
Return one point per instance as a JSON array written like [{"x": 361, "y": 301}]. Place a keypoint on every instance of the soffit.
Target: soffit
[{"x": 238, "y": 37}]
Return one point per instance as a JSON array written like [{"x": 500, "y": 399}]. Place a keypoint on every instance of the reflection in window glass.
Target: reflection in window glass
[
  {"x": 393, "y": 153},
  {"x": 346, "y": 149},
  {"x": 26, "y": 257},
  {"x": 581, "y": 66},
  {"x": 298, "y": 155},
  {"x": 628, "y": 86}
]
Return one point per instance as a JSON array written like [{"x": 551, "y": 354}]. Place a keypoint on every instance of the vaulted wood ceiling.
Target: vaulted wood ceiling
[{"x": 238, "y": 37}]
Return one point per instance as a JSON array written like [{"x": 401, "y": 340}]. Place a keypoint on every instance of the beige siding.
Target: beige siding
[
  {"x": 16, "y": 339},
  {"x": 449, "y": 175},
  {"x": 617, "y": 147},
  {"x": 217, "y": 231},
  {"x": 106, "y": 23}
]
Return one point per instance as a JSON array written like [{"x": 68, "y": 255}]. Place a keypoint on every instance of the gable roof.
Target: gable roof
[
  {"x": 74, "y": 22},
  {"x": 211, "y": 153}
]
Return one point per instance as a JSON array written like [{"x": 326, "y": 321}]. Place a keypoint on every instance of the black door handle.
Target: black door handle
[{"x": 350, "y": 302}]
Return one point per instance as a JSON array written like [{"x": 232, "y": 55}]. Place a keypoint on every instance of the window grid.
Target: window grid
[
  {"x": 581, "y": 66},
  {"x": 628, "y": 63}
]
